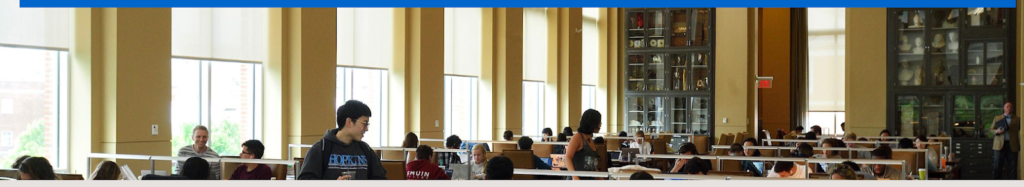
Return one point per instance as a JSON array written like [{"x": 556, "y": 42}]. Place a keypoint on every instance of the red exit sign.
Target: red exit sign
[{"x": 764, "y": 82}]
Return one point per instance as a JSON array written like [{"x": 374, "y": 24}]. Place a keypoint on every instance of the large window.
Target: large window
[
  {"x": 460, "y": 107},
  {"x": 462, "y": 56},
  {"x": 365, "y": 50},
  {"x": 589, "y": 99},
  {"x": 217, "y": 75},
  {"x": 533, "y": 107},
  {"x": 226, "y": 97},
  {"x": 33, "y": 104},
  {"x": 34, "y": 45},
  {"x": 369, "y": 86},
  {"x": 826, "y": 82}
]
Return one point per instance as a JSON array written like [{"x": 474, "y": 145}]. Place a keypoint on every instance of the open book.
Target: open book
[{"x": 127, "y": 174}]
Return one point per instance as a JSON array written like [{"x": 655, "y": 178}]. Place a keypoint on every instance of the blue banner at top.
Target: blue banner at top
[{"x": 522, "y": 3}]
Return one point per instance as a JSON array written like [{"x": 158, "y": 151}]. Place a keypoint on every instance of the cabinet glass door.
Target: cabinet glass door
[
  {"x": 655, "y": 114},
  {"x": 964, "y": 116},
  {"x": 932, "y": 116},
  {"x": 678, "y": 110},
  {"x": 945, "y": 46},
  {"x": 994, "y": 63},
  {"x": 699, "y": 119},
  {"x": 635, "y": 32},
  {"x": 635, "y": 73},
  {"x": 656, "y": 30},
  {"x": 908, "y": 114},
  {"x": 985, "y": 63},
  {"x": 656, "y": 72},
  {"x": 680, "y": 27},
  {"x": 991, "y": 106},
  {"x": 701, "y": 27},
  {"x": 636, "y": 114},
  {"x": 678, "y": 71},
  {"x": 986, "y": 17},
  {"x": 911, "y": 47},
  {"x": 701, "y": 71}
]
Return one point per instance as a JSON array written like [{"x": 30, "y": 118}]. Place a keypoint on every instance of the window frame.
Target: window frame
[
  {"x": 205, "y": 66},
  {"x": 474, "y": 102},
  {"x": 61, "y": 107},
  {"x": 383, "y": 122}
]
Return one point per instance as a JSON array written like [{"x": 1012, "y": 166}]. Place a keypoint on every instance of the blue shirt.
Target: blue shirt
[{"x": 1008, "y": 118}]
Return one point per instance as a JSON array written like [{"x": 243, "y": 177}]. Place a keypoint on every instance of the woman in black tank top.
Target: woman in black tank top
[{"x": 581, "y": 150}]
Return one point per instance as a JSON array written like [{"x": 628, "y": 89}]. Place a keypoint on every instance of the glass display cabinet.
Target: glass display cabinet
[
  {"x": 949, "y": 72},
  {"x": 669, "y": 70}
]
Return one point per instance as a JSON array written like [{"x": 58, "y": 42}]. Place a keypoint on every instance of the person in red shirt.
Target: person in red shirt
[
  {"x": 422, "y": 169},
  {"x": 252, "y": 149}
]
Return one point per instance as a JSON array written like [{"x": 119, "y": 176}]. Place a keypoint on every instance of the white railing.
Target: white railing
[
  {"x": 785, "y": 159},
  {"x": 153, "y": 158}
]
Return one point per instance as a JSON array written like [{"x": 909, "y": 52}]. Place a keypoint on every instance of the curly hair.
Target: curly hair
[{"x": 844, "y": 171}]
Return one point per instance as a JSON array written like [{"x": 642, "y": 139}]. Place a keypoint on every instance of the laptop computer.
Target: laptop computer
[
  {"x": 546, "y": 160},
  {"x": 558, "y": 161},
  {"x": 460, "y": 171}
]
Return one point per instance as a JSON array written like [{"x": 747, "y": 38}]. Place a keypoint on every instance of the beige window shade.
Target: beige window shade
[
  {"x": 366, "y": 37},
  {"x": 219, "y": 33},
  {"x": 591, "y": 53},
  {"x": 826, "y": 45},
  {"x": 463, "y": 37},
  {"x": 535, "y": 44},
  {"x": 38, "y": 27}
]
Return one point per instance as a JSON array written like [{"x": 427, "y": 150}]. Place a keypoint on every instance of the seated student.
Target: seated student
[
  {"x": 905, "y": 143},
  {"x": 785, "y": 169},
  {"x": 546, "y": 133},
  {"x": 816, "y": 129},
  {"x": 885, "y": 134},
  {"x": 802, "y": 151},
  {"x": 832, "y": 154},
  {"x": 860, "y": 154},
  {"x": 452, "y": 142},
  {"x": 745, "y": 165},
  {"x": 843, "y": 172},
  {"x": 856, "y": 169},
  {"x": 931, "y": 155},
  {"x": 750, "y": 152},
  {"x": 526, "y": 143},
  {"x": 196, "y": 168},
  {"x": 882, "y": 171},
  {"x": 598, "y": 140},
  {"x": 411, "y": 141},
  {"x": 686, "y": 149},
  {"x": 36, "y": 168},
  {"x": 624, "y": 143},
  {"x": 252, "y": 149},
  {"x": 499, "y": 168},
  {"x": 567, "y": 131},
  {"x": 697, "y": 166},
  {"x": 477, "y": 163},
  {"x": 106, "y": 170},
  {"x": 796, "y": 131},
  {"x": 507, "y": 135},
  {"x": 341, "y": 154},
  {"x": 807, "y": 136},
  {"x": 638, "y": 142},
  {"x": 422, "y": 169},
  {"x": 17, "y": 162},
  {"x": 641, "y": 175},
  {"x": 559, "y": 149}
]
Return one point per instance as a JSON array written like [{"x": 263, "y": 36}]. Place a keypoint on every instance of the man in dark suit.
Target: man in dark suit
[{"x": 1006, "y": 143}]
